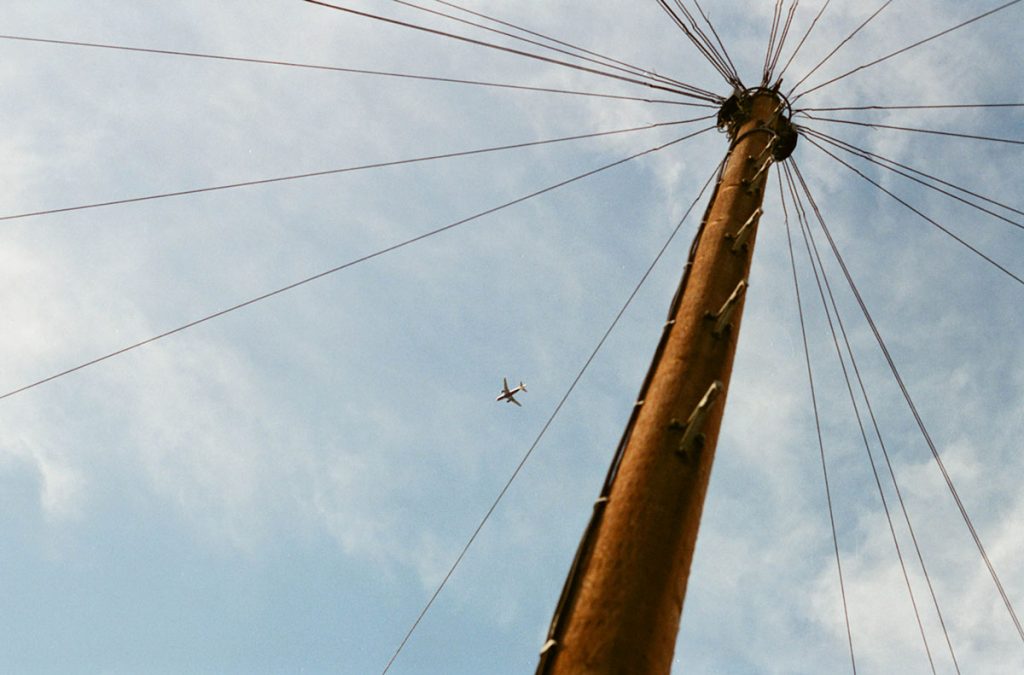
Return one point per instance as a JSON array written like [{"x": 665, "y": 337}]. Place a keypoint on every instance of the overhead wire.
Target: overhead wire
[
  {"x": 638, "y": 69},
  {"x": 817, "y": 265},
  {"x": 341, "y": 69},
  {"x": 774, "y": 62},
  {"x": 799, "y": 45},
  {"x": 330, "y": 172},
  {"x": 692, "y": 92},
  {"x": 574, "y": 52},
  {"x": 921, "y": 214},
  {"x": 817, "y": 426},
  {"x": 543, "y": 431},
  {"x": 904, "y": 49},
  {"x": 776, "y": 17},
  {"x": 935, "y": 132},
  {"x": 725, "y": 52},
  {"x": 699, "y": 40},
  {"x": 728, "y": 70},
  {"x": 913, "y": 409},
  {"x": 836, "y": 49},
  {"x": 934, "y": 106},
  {"x": 547, "y": 37},
  {"x": 346, "y": 265},
  {"x": 808, "y": 236},
  {"x": 833, "y": 139},
  {"x": 882, "y": 162},
  {"x": 681, "y": 25}
]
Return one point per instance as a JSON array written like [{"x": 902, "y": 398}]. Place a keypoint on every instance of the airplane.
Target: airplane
[{"x": 507, "y": 394}]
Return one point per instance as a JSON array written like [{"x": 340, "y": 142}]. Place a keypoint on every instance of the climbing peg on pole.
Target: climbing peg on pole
[
  {"x": 692, "y": 435},
  {"x": 725, "y": 313},
  {"x": 739, "y": 242},
  {"x": 764, "y": 167}
]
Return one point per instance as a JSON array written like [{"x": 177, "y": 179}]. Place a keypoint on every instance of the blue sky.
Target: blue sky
[{"x": 280, "y": 490}]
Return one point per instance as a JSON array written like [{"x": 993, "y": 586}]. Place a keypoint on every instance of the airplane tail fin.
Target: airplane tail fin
[{"x": 522, "y": 386}]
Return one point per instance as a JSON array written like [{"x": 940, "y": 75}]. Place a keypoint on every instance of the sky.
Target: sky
[{"x": 281, "y": 489}]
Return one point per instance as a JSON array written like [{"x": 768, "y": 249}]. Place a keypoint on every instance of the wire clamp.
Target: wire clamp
[
  {"x": 549, "y": 645},
  {"x": 693, "y": 439},
  {"x": 721, "y": 318},
  {"x": 739, "y": 240}
]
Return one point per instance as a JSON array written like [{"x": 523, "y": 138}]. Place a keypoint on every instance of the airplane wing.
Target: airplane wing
[
  {"x": 504, "y": 385},
  {"x": 512, "y": 399}
]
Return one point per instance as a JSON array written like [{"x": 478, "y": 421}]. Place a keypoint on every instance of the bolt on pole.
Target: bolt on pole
[{"x": 621, "y": 607}]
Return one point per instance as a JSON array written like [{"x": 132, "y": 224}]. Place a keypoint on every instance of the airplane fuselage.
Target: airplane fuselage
[{"x": 509, "y": 394}]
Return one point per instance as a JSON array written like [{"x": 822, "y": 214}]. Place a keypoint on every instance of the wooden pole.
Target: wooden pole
[{"x": 621, "y": 613}]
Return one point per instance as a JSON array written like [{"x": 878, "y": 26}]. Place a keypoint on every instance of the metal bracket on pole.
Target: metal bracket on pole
[
  {"x": 764, "y": 167},
  {"x": 550, "y": 644},
  {"x": 769, "y": 147},
  {"x": 723, "y": 315},
  {"x": 692, "y": 437},
  {"x": 740, "y": 238}
]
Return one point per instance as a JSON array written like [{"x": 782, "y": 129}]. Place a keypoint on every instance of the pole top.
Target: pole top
[{"x": 738, "y": 110}]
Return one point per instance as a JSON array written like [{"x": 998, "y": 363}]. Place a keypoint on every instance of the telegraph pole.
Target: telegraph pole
[{"x": 620, "y": 609}]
